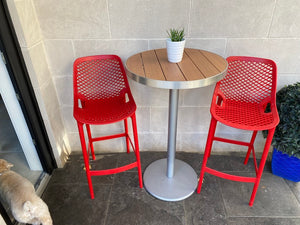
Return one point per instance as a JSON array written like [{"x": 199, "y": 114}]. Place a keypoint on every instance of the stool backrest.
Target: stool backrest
[
  {"x": 249, "y": 79},
  {"x": 99, "y": 77}
]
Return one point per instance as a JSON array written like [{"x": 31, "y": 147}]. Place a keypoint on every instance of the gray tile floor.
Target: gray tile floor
[{"x": 119, "y": 200}]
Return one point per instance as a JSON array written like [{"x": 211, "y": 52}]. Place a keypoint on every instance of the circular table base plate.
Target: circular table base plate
[{"x": 180, "y": 186}]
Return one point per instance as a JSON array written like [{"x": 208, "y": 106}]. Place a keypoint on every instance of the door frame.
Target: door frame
[
  {"x": 19, "y": 76},
  {"x": 16, "y": 116},
  {"x": 16, "y": 67}
]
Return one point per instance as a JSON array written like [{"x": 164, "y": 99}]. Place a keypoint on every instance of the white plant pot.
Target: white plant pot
[{"x": 175, "y": 50}]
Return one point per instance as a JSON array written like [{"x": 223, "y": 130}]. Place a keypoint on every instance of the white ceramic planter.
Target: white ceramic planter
[{"x": 175, "y": 50}]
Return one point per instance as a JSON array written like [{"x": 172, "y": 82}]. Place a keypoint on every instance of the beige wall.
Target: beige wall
[
  {"x": 71, "y": 29},
  {"x": 33, "y": 49}
]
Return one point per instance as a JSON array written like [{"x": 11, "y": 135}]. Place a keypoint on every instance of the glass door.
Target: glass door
[{"x": 23, "y": 137}]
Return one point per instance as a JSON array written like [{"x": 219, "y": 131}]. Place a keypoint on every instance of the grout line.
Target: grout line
[
  {"x": 272, "y": 17},
  {"x": 109, "y": 22},
  {"x": 189, "y": 19},
  {"x": 223, "y": 201},
  {"x": 226, "y": 48},
  {"x": 108, "y": 203},
  {"x": 73, "y": 48},
  {"x": 163, "y": 39},
  {"x": 110, "y": 194},
  {"x": 33, "y": 45},
  {"x": 111, "y": 39},
  {"x": 185, "y": 217},
  {"x": 292, "y": 191}
]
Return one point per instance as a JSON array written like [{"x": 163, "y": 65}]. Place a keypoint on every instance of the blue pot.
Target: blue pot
[{"x": 285, "y": 166}]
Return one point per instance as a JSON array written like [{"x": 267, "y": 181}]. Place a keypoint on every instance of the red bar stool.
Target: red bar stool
[
  {"x": 240, "y": 100},
  {"x": 102, "y": 96}
]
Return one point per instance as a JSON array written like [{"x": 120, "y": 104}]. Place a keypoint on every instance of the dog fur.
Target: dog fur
[{"x": 19, "y": 193}]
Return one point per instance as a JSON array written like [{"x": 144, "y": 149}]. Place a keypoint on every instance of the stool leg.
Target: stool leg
[
  {"x": 85, "y": 158},
  {"x": 137, "y": 149},
  {"x": 262, "y": 164},
  {"x": 91, "y": 146},
  {"x": 251, "y": 148},
  {"x": 211, "y": 133},
  {"x": 127, "y": 137}
]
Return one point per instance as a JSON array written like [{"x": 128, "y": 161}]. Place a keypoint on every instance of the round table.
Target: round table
[{"x": 171, "y": 179}]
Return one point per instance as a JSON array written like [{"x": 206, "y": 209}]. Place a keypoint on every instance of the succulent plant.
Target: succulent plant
[
  {"x": 287, "y": 134},
  {"x": 176, "y": 34}
]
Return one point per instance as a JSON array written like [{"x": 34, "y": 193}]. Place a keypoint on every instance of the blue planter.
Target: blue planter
[{"x": 285, "y": 166}]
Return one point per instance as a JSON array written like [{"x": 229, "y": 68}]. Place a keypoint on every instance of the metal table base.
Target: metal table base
[
  {"x": 171, "y": 179},
  {"x": 180, "y": 186}
]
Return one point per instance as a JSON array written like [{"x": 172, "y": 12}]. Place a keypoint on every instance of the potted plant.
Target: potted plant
[
  {"x": 175, "y": 45},
  {"x": 286, "y": 140}
]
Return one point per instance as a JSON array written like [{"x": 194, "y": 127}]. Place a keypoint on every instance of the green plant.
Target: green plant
[
  {"x": 287, "y": 134},
  {"x": 176, "y": 34}
]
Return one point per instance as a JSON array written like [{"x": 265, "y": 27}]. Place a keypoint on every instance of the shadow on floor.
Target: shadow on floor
[{"x": 120, "y": 201}]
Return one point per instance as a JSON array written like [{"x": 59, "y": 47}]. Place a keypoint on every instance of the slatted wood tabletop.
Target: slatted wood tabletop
[{"x": 198, "y": 68}]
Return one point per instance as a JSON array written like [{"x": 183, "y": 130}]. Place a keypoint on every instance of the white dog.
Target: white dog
[{"x": 19, "y": 193}]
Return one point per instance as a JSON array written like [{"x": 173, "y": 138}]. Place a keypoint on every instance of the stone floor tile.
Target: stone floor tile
[
  {"x": 207, "y": 207},
  {"x": 131, "y": 205},
  {"x": 273, "y": 199},
  {"x": 233, "y": 162},
  {"x": 193, "y": 159},
  {"x": 262, "y": 221},
  {"x": 148, "y": 157},
  {"x": 276, "y": 221},
  {"x": 72, "y": 205},
  {"x": 125, "y": 159},
  {"x": 119, "y": 200},
  {"x": 240, "y": 221},
  {"x": 74, "y": 170},
  {"x": 295, "y": 187}
]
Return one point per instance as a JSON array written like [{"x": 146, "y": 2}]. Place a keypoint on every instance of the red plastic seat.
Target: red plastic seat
[
  {"x": 240, "y": 100},
  {"x": 102, "y": 96}
]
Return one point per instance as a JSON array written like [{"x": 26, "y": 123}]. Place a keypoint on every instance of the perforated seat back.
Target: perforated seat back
[
  {"x": 99, "y": 78},
  {"x": 101, "y": 91},
  {"x": 249, "y": 79}
]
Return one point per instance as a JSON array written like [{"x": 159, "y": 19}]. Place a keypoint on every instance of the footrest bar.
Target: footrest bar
[
  {"x": 229, "y": 176},
  {"x": 108, "y": 137},
  {"x": 232, "y": 141},
  {"x": 113, "y": 171}
]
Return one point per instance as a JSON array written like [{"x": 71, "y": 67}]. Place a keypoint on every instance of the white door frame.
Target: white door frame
[{"x": 17, "y": 118}]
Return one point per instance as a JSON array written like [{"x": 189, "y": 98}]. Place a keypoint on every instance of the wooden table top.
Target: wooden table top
[{"x": 198, "y": 68}]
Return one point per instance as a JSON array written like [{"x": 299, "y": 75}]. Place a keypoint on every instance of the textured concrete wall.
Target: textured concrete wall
[
  {"x": 27, "y": 28},
  {"x": 71, "y": 29}
]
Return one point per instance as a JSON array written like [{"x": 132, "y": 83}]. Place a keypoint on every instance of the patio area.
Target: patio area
[{"x": 119, "y": 200}]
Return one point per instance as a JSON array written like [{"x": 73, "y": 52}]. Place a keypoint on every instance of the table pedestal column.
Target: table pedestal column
[{"x": 171, "y": 179}]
